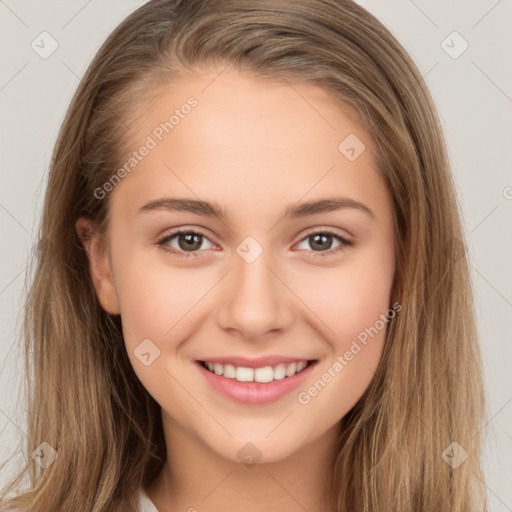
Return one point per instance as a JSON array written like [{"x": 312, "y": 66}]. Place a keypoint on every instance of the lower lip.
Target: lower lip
[{"x": 255, "y": 392}]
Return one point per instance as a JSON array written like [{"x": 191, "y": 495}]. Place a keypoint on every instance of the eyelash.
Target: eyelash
[{"x": 162, "y": 243}]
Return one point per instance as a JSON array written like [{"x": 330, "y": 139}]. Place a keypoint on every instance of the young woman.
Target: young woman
[{"x": 251, "y": 290}]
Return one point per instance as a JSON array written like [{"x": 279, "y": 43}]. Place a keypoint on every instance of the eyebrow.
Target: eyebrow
[{"x": 295, "y": 210}]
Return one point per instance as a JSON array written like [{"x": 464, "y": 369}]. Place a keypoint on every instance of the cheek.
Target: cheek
[
  {"x": 357, "y": 320},
  {"x": 349, "y": 299},
  {"x": 154, "y": 297},
  {"x": 159, "y": 308},
  {"x": 157, "y": 303},
  {"x": 353, "y": 303}
]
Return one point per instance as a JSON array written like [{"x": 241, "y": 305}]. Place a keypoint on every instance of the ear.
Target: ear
[{"x": 99, "y": 265}]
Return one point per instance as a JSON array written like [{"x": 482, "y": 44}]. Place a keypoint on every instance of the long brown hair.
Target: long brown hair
[{"x": 396, "y": 449}]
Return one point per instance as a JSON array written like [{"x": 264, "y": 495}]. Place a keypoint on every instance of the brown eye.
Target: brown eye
[
  {"x": 321, "y": 243},
  {"x": 189, "y": 243}
]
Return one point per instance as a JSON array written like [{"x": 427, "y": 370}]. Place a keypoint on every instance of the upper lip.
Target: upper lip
[{"x": 257, "y": 362}]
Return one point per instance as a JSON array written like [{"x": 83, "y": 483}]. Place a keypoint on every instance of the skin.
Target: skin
[{"x": 253, "y": 147}]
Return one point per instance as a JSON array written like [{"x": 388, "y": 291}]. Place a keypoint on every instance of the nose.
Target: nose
[{"x": 255, "y": 302}]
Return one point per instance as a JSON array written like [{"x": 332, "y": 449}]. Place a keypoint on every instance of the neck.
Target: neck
[{"x": 195, "y": 477}]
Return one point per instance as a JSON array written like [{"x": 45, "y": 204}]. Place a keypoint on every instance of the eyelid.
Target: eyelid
[
  {"x": 164, "y": 239},
  {"x": 332, "y": 231},
  {"x": 344, "y": 240}
]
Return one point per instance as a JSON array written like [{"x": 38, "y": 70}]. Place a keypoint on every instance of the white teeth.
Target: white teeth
[
  {"x": 291, "y": 370},
  {"x": 244, "y": 374},
  {"x": 262, "y": 375},
  {"x": 301, "y": 366},
  {"x": 229, "y": 371},
  {"x": 279, "y": 372},
  {"x": 265, "y": 374}
]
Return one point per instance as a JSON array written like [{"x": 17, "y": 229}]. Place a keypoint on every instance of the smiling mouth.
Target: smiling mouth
[{"x": 262, "y": 375}]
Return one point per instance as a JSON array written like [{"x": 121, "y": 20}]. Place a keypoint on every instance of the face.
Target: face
[{"x": 285, "y": 257}]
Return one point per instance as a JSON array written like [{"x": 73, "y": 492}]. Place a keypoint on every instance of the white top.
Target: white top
[{"x": 145, "y": 504}]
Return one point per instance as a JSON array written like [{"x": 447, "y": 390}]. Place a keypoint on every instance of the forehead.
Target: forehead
[
  {"x": 244, "y": 107},
  {"x": 243, "y": 138}
]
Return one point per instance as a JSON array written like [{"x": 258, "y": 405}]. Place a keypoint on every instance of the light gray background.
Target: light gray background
[{"x": 473, "y": 94}]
